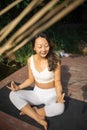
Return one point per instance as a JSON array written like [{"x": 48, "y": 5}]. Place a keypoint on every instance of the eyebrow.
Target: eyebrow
[{"x": 41, "y": 44}]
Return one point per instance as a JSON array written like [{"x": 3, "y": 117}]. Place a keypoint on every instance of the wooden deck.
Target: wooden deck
[
  {"x": 8, "y": 122},
  {"x": 74, "y": 79}
]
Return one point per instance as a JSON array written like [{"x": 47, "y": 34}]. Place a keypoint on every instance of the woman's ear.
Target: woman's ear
[{"x": 34, "y": 50}]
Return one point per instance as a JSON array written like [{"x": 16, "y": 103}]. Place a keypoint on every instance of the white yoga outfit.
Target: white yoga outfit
[{"x": 39, "y": 96}]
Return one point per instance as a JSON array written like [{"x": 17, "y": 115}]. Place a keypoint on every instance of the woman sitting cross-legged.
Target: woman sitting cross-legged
[{"x": 44, "y": 70}]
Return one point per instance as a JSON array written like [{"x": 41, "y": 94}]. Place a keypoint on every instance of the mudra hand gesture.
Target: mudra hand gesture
[
  {"x": 13, "y": 87},
  {"x": 61, "y": 98}
]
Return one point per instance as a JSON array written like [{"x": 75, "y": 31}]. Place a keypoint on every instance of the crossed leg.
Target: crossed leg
[{"x": 31, "y": 112}]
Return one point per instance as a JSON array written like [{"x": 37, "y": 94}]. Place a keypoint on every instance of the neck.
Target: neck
[{"x": 41, "y": 58}]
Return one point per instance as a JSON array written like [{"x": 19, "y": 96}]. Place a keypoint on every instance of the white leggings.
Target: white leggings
[{"x": 36, "y": 97}]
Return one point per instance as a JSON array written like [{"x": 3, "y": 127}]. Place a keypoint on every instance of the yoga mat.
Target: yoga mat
[{"x": 74, "y": 117}]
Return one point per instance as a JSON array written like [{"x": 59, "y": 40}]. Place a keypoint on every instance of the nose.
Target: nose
[{"x": 43, "y": 48}]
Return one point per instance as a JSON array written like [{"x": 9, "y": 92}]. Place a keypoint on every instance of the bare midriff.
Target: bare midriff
[{"x": 45, "y": 85}]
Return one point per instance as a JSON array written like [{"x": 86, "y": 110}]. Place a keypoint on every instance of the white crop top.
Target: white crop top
[{"x": 44, "y": 76}]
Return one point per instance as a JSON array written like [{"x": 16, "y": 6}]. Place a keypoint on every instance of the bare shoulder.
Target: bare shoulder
[{"x": 28, "y": 60}]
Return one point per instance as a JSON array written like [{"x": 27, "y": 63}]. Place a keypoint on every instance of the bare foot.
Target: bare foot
[
  {"x": 43, "y": 123},
  {"x": 40, "y": 112},
  {"x": 40, "y": 119},
  {"x": 21, "y": 113}
]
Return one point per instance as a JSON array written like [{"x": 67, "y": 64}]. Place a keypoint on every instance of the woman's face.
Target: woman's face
[{"x": 41, "y": 46}]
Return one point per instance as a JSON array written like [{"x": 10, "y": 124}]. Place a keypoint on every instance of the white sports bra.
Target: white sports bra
[{"x": 44, "y": 76}]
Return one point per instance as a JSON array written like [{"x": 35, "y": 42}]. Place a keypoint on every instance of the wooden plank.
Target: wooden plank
[{"x": 8, "y": 122}]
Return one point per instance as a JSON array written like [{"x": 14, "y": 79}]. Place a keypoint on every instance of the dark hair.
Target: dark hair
[{"x": 52, "y": 57}]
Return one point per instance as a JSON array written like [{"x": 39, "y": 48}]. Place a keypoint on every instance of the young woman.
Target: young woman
[{"x": 44, "y": 68}]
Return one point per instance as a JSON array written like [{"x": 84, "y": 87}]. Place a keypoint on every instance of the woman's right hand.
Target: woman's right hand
[{"x": 13, "y": 87}]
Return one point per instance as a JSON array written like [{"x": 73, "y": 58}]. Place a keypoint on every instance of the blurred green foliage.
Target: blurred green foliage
[{"x": 23, "y": 53}]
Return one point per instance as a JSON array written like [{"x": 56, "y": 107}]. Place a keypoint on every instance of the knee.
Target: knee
[
  {"x": 54, "y": 109},
  {"x": 61, "y": 108},
  {"x": 11, "y": 95}
]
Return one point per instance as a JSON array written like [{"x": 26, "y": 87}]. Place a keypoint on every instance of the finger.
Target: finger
[
  {"x": 12, "y": 83},
  {"x": 63, "y": 94},
  {"x": 8, "y": 87},
  {"x": 62, "y": 101},
  {"x": 62, "y": 97},
  {"x": 59, "y": 99}
]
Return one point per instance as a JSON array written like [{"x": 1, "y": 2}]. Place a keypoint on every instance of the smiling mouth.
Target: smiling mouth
[{"x": 44, "y": 53}]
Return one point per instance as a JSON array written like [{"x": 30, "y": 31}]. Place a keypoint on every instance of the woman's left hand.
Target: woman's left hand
[{"x": 61, "y": 98}]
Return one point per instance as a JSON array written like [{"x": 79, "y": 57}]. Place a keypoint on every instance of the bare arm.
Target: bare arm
[
  {"x": 58, "y": 85},
  {"x": 26, "y": 83},
  {"x": 30, "y": 79}
]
